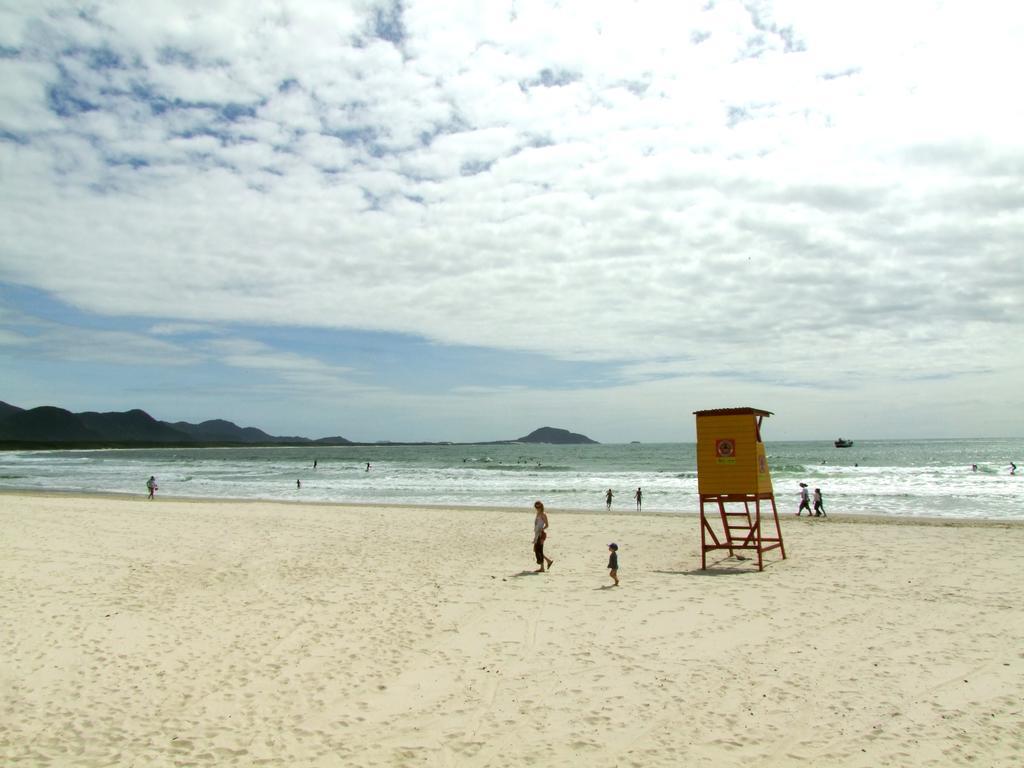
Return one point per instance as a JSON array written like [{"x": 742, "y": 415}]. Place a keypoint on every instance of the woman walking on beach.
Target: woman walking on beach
[
  {"x": 540, "y": 525},
  {"x": 805, "y": 500},
  {"x": 819, "y": 503}
]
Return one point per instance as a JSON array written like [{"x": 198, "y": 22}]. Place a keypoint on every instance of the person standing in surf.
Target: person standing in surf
[
  {"x": 540, "y": 527},
  {"x": 608, "y": 499},
  {"x": 639, "y": 496},
  {"x": 151, "y": 486}
]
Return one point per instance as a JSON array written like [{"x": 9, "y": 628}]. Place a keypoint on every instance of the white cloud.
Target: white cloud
[
  {"x": 183, "y": 329},
  {"x": 293, "y": 373},
  {"x": 674, "y": 185},
  {"x": 57, "y": 341}
]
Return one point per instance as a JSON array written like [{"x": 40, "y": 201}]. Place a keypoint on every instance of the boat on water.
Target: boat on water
[{"x": 841, "y": 443}]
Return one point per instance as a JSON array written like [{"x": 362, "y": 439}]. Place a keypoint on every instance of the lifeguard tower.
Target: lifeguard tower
[{"x": 732, "y": 470}]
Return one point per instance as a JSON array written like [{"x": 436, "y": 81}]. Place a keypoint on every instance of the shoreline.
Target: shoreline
[{"x": 839, "y": 517}]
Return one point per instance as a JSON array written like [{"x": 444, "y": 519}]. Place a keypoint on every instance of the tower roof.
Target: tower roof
[{"x": 732, "y": 412}]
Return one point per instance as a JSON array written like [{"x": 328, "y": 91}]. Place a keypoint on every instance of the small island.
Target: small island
[{"x": 555, "y": 436}]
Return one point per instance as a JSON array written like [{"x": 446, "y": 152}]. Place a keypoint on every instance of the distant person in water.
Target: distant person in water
[
  {"x": 151, "y": 486},
  {"x": 1013, "y": 468},
  {"x": 639, "y": 496},
  {"x": 367, "y": 466},
  {"x": 540, "y": 535},
  {"x": 608, "y": 499},
  {"x": 298, "y": 484},
  {"x": 805, "y": 500},
  {"x": 974, "y": 467},
  {"x": 819, "y": 504},
  {"x": 314, "y": 463}
]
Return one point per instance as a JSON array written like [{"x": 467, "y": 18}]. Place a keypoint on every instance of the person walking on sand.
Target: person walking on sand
[
  {"x": 151, "y": 486},
  {"x": 819, "y": 504},
  {"x": 608, "y": 499},
  {"x": 805, "y": 500},
  {"x": 613, "y": 562},
  {"x": 540, "y": 527},
  {"x": 639, "y": 496}
]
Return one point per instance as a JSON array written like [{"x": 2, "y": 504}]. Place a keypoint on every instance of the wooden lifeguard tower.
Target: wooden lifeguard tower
[{"x": 732, "y": 470}]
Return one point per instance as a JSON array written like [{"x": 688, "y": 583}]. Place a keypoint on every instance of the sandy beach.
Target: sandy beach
[{"x": 166, "y": 633}]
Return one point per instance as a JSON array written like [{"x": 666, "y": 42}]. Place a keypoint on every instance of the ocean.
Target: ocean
[{"x": 905, "y": 478}]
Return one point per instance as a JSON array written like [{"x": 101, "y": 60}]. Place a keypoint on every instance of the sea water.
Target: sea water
[{"x": 906, "y": 478}]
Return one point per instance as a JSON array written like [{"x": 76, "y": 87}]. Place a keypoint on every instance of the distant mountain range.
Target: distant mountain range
[{"x": 49, "y": 425}]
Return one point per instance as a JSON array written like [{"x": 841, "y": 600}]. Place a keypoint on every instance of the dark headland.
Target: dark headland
[
  {"x": 51, "y": 427},
  {"x": 555, "y": 436}
]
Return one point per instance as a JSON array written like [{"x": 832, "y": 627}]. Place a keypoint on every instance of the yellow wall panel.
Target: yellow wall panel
[{"x": 730, "y": 458}]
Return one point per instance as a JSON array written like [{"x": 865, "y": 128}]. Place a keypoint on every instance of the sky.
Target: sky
[{"x": 462, "y": 221}]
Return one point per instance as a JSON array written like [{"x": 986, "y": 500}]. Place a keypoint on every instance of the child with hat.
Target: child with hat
[{"x": 613, "y": 562}]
